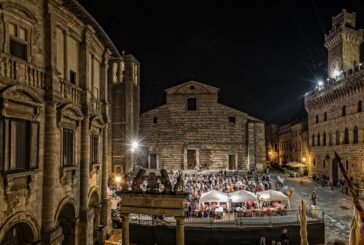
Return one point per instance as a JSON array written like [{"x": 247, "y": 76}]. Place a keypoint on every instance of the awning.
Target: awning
[
  {"x": 242, "y": 196},
  {"x": 214, "y": 196}
]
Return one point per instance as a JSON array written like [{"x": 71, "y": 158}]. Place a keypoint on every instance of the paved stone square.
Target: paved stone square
[{"x": 338, "y": 207}]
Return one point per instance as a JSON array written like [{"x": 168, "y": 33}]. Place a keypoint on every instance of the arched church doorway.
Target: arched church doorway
[
  {"x": 66, "y": 220},
  {"x": 94, "y": 203},
  {"x": 19, "y": 234},
  {"x": 335, "y": 172}
]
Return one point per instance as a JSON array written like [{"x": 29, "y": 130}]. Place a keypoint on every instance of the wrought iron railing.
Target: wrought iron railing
[{"x": 234, "y": 220}]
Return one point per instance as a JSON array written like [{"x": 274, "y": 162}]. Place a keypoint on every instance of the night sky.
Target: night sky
[{"x": 263, "y": 55}]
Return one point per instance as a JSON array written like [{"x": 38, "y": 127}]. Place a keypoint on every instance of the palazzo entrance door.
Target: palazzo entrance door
[{"x": 191, "y": 159}]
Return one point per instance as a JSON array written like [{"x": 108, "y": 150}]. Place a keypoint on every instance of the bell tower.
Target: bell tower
[{"x": 343, "y": 44}]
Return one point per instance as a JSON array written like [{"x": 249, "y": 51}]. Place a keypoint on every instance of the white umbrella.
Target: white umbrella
[
  {"x": 272, "y": 195},
  {"x": 242, "y": 196},
  {"x": 214, "y": 196}
]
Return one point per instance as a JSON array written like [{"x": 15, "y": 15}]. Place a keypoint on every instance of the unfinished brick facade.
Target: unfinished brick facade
[
  {"x": 335, "y": 115},
  {"x": 193, "y": 131}
]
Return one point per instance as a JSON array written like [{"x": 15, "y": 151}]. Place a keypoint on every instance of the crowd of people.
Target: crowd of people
[{"x": 199, "y": 182}]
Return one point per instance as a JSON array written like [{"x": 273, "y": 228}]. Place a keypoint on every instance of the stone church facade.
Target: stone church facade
[
  {"x": 56, "y": 67},
  {"x": 194, "y": 131},
  {"x": 335, "y": 113}
]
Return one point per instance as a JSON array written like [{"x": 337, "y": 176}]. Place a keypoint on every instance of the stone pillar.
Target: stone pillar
[
  {"x": 125, "y": 231},
  {"x": 180, "y": 230},
  {"x": 84, "y": 180},
  {"x": 104, "y": 197},
  {"x": 51, "y": 164},
  {"x": 65, "y": 56}
]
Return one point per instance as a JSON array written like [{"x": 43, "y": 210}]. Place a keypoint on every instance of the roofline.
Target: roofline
[
  {"x": 191, "y": 81},
  {"x": 77, "y": 9}
]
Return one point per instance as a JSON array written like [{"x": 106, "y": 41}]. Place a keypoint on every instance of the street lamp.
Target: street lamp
[
  {"x": 303, "y": 159},
  {"x": 134, "y": 147},
  {"x": 117, "y": 179}
]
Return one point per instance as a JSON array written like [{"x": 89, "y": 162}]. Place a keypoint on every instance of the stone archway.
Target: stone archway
[
  {"x": 19, "y": 234},
  {"x": 66, "y": 220},
  {"x": 94, "y": 204}
]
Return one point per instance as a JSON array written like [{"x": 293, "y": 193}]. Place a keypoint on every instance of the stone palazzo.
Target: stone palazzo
[
  {"x": 335, "y": 110},
  {"x": 57, "y": 66}
]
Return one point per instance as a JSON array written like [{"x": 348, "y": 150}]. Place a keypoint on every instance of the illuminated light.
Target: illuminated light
[
  {"x": 132, "y": 149},
  {"x": 336, "y": 73},
  {"x": 320, "y": 83},
  {"x": 134, "y": 145},
  {"x": 118, "y": 179},
  {"x": 303, "y": 159}
]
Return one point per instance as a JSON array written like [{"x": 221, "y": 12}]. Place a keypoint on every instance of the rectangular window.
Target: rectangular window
[
  {"x": 18, "y": 49},
  {"x": 68, "y": 147},
  {"x": 18, "y": 43},
  {"x": 95, "y": 149},
  {"x": 19, "y": 145},
  {"x": 231, "y": 119},
  {"x": 191, "y": 104},
  {"x": 155, "y": 119},
  {"x": 73, "y": 77},
  {"x": 153, "y": 161}
]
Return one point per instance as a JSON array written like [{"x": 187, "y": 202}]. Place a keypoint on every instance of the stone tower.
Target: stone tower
[
  {"x": 125, "y": 111},
  {"x": 343, "y": 44}
]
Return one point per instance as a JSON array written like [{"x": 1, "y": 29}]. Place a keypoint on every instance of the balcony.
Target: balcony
[
  {"x": 21, "y": 71},
  {"x": 70, "y": 91}
]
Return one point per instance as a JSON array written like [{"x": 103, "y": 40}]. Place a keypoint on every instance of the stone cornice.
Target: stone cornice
[{"x": 336, "y": 90}]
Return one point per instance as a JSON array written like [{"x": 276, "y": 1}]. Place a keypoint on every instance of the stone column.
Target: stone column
[
  {"x": 50, "y": 166},
  {"x": 180, "y": 230},
  {"x": 125, "y": 229},
  {"x": 104, "y": 197},
  {"x": 84, "y": 180}
]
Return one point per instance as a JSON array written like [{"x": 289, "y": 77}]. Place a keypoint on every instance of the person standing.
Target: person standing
[{"x": 313, "y": 198}]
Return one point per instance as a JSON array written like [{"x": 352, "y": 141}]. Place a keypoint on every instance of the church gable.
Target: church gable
[{"x": 192, "y": 87}]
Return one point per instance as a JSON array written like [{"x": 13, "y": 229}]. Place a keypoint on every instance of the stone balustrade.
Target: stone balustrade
[
  {"x": 70, "y": 91},
  {"x": 18, "y": 70}
]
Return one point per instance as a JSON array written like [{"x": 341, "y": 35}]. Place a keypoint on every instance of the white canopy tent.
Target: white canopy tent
[
  {"x": 272, "y": 195},
  {"x": 242, "y": 196},
  {"x": 214, "y": 196}
]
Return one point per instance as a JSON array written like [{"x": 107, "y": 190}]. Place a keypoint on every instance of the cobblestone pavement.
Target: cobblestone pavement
[{"x": 337, "y": 207}]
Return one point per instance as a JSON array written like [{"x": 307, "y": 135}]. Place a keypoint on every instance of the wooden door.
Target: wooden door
[
  {"x": 232, "y": 162},
  {"x": 191, "y": 159}
]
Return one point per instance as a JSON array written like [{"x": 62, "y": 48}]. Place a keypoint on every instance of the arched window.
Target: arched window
[
  {"x": 317, "y": 119},
  {"x": 325, "y": 116},
  {"x": 330, "y": 138},
  {"x": 318, "y": 139},
  {"x": 313, "y": 140},
  {"x": 324, "y": 163},
  {"x": 346, "y": 136},
  {"x": 360, "y": 107},
  {"x": 337, "y": 138},
  {"x": 343, "y": 111},
  {"x": 356, "y": 135},
  {"x": 324, "y": 139}
]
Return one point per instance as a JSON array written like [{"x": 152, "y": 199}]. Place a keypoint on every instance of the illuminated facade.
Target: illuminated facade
[
  {"x": 193, "y": 131},
  {"x": 335, "y": 114},
  {"x": 55, "y": 144}
]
